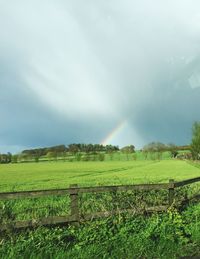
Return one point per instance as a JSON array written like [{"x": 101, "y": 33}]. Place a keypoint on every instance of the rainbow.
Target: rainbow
[{"x": 108, "y": 139}]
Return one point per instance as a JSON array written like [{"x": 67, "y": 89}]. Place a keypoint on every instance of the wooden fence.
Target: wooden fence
[{"x": 74, "y": 191}]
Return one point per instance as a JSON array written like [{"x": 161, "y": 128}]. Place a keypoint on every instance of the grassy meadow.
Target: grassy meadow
[
  {"x": 59, "y": 174},
  {"x": 166, "y": 235}
]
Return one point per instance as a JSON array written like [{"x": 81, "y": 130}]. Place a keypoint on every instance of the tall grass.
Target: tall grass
[{"x": 168, "y": 235}]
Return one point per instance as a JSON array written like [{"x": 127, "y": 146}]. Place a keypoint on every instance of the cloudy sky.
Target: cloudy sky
[{"x": 110, "y": 71}]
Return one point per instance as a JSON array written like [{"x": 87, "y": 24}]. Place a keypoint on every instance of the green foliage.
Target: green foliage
[
  {"x": 50, "y": 155},
  {"x": 134, "y": 156},
  {"x": 155, "y": 150},
  {"x": 101, "y": 156},
  {"x": 5, "y": 158},
  {"x": 128, "y": 149},
  {"x": 173, "y": 150},
  {"x": 78, "y": 156},
  {"x": 195, "y": 145},
  {"x": 168, "y": 235},
  {"x": 14, "y": 158}
]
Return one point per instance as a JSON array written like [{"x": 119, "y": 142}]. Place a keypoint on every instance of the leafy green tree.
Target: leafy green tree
[
  {"x": 5, "y": 158},
  {"x": 23, "y": 157},
  {"x": 155, "y": 149},
  {"x": 128, "y": 150},
  {"x": 195, "y": 145},
  {"x": 73, "y": 148}
]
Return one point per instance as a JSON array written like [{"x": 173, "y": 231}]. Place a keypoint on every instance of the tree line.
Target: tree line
[
  {"x": 86, "y": 152},
  {"x": 72, "y": 148}
]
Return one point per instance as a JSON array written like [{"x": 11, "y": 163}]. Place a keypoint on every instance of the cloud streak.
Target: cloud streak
[{"x": 72, "y": 71}]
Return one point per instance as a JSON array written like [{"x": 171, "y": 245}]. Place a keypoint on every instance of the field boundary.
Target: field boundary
[{"x": 74, "y": 191}]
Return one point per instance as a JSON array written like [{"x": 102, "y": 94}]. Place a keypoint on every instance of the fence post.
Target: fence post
[
  {"x": 171, "y": 191},
  {"x": 74, "y": 204}
]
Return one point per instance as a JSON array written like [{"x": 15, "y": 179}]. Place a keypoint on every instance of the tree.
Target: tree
[
  {"x": 52, "y": 155},
  {"x": 173, "y": 150},
  {"x": 155, "y": 149},
  {"x": 5, "y": 158},
  {"x": 14, "y": 158},
  {"x": 128, "y": 149},
  {"x": 195, "y": 145},
  {"x": 73, "y": 148}
]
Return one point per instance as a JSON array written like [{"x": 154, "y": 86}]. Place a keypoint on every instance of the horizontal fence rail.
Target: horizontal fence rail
[
  {"x": 186, "y": 182},
  {"x": 60, "y": 220},
  {"x": 73, "y": 191}
]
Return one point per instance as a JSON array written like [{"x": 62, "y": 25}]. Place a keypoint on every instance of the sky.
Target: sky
[{"x": 112, "y": 71}]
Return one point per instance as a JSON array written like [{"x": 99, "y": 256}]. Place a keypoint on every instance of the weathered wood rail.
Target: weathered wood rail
[{"x": 74, "y": 191}]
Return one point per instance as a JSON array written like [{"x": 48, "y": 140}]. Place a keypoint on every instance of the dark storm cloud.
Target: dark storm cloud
[
  {"x": 27, "y": 122},
  {"x": 72, "y": 71},
  {"x": 173, "y": 106}
]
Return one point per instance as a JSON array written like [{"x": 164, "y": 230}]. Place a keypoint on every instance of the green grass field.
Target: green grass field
[
  {"x": 167, "y": 235},
  {"x": 29, "y": 176}
]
